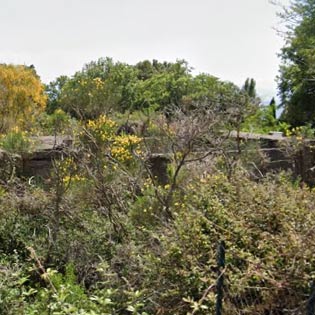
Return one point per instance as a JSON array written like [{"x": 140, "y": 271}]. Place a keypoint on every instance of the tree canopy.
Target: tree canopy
[
  {"x": 104, "y": 85},
  {"x": 297, "y": 72},
  {"x": 21, "y": 96}
]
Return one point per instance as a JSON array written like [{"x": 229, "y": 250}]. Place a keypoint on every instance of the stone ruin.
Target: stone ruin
[{"x": 40, "y": 162}]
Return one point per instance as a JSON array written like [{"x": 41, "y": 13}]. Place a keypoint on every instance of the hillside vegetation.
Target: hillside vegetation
[
  {"x": 105, "y": 234},
  {"x": 134, "y": 217}
]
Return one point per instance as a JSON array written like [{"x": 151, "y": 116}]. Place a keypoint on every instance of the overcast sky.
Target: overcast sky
[{"x": 231, "y": 39}]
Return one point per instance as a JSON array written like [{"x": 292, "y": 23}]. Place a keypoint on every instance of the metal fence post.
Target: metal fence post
[
  {"x": 220, "y": 281},
  {"x": 310, "y": 307}
]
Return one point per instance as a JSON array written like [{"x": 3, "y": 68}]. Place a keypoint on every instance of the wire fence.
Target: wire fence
[{"x": 233, "y": 299}]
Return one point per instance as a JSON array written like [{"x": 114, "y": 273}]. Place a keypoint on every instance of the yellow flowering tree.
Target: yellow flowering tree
[
  {"x": 102, "y": 133},
  {"x": 22, "y": 96},
  {"x": 107, "y": 160}
]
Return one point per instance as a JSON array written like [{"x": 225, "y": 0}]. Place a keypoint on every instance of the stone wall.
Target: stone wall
[
  {"x": 40, "y": 163},
  {"x": 280, "y": 156}
]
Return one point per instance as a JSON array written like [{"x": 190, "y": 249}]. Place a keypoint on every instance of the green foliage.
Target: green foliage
[
  {"x": 262, "y": 121},
  {"x": 98, "y": 88},
  {"x": 64, "y": 296},
  {"x": 16, "y": 142},
  {"x": 296, "y": 80},
  {"x": 56, "y": 123},
  {"x": 157, "y": 265},
  {"x": 239, "y": 107},
  {"x": 104, "y": 236},
  {"x": 53, "y": 92},
  {"x": 104, "y": 86},
  {"x": 250, "y": 87},
  {"x": 164, "y": 88},
  {"x": 14, "y": 289}
]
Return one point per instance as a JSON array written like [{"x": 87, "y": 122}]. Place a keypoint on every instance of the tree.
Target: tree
[
  {"x": 101, "y": 86},
  {"x": 297, "y": 72},
  {"x": 22, "y": 96},
  {"x": 162, "y": 90},
  {"x": 162, "y": 84},
  {"x": 123, "y": 81},
  {"x": 85, "y": 94},
  {"x": 53, "y": 91},
  {"x": 250, "y": 87},
  {"x": 273, "y": 108}
]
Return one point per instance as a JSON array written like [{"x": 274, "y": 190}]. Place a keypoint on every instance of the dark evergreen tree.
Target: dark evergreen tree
[
  {"x": 273, "y": 108},
  {"x": 250, "y": 87}
]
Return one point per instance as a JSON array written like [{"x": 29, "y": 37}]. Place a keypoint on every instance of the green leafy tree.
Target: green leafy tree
[
  {"x": 165, "y": 85},
  {"x": 101, "y": 86},
  {"x": 123, "y": 82},
  {"x": 297, "y": 72},
  {"x": 88, "y": 93},
  {"x": 145, "y": 69},
  {"x": 53, "y": 91},
  {"x": 104, "y": 85},
  {"x": 204, "y": 86}
]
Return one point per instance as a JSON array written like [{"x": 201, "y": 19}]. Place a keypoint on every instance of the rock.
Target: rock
[{"x": 158, "y": 164}]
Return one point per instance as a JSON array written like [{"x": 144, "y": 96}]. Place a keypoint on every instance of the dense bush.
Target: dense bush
[
  {"x": 16, "y": 141},
  {"x": 139, "y": 262},
  {"x": 106, "y": 234}
]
